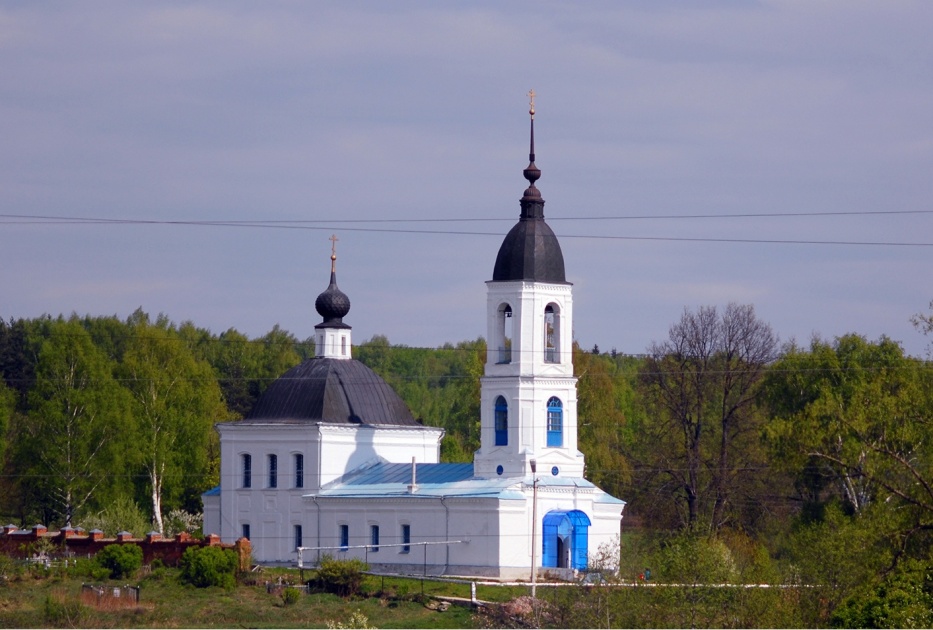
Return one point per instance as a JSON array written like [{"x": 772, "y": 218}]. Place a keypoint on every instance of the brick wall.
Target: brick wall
[{"x": 22, "y": 543}]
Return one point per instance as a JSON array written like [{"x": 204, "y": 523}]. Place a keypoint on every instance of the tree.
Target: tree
[
  {"x": 700, "y": 388},
  {"x": 176, "y": 402},
  {"x": 78, "y": 418},
  {"x": 853, "y": 420},
  {"x": 924, "y": 323},
  {"x": 604, "y": 402}
]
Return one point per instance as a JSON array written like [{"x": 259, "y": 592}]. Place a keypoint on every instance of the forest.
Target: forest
[{"x": 741, "y": 458}]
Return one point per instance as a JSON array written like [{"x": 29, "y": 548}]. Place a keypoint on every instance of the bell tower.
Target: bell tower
[{"x": 528, "y": 391}]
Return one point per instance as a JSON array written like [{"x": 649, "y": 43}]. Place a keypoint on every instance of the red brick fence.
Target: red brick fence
[{"x": 25, "y": 543}]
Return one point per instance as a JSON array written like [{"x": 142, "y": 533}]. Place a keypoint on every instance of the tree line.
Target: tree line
[{"x": 809, "y": 462}]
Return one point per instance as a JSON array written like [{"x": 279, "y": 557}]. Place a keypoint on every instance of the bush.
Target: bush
[
  {"x": 209, "y": 566},
  {"x": 120, "y": 560},
  {"x": 290, "y": 595},
  {"x": 343, "y": 577}
]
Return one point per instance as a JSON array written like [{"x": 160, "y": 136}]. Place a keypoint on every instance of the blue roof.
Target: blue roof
[
  {"x": 213, "y": 492},
  {"x": 442, "y": 480},
  {"x": 401, "y": 473}
]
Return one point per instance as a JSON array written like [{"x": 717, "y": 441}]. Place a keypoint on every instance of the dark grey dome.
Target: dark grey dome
[
  {"x": 331, "y": 390},
  {"x": 530, "y": 251},
  {"x": 333, "y": 304}
]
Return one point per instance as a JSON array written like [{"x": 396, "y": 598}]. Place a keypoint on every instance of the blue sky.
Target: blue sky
[{"x": 367, "y": 118}]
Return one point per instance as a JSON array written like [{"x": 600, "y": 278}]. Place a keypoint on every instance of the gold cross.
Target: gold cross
[
  {"x": 531, "y": 96},
  {"x": 333, "y": 244}
]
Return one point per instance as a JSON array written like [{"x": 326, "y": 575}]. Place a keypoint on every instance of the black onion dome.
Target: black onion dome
[
  {"x": 334, "y": 391},
  {"x": 530, "y": 250},
  {"x": 333, "y": 304}
]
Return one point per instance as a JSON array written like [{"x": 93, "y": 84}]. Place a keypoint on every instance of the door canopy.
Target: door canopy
[{"x": 571, "y": 526}]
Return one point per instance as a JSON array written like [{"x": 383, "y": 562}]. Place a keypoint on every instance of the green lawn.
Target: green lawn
[{"x": 32, "y": 600}]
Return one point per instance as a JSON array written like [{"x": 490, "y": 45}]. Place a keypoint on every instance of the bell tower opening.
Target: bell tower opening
[
  {"x": 504, "y": 333},
  {"x": 552, "y": 333}
]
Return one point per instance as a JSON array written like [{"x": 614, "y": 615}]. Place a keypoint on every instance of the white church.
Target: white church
[{"x": 331, "y": 461}]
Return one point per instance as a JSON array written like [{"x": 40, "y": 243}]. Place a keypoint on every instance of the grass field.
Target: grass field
[{"x": 36, "y": 598}]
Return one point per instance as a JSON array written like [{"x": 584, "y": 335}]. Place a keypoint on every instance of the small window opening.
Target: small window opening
[
  {"x": 344, "y": 537},
  {"x": 406, "y": 538}
]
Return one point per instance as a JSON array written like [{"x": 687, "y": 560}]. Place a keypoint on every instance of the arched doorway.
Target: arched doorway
[{"x": 565, "y": 535}]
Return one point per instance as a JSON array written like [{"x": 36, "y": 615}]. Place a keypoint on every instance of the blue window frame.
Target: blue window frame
[
  {"x": 344, "y": 537},
  {"x": 555, "y": 422},
  {"x": 374, "y": 538},
  {"x": 406, "y": 538},
  {"x": 299, "y": 470},
  {"x": 502, "y": 422},
  {"x": 247, "y": 470}
]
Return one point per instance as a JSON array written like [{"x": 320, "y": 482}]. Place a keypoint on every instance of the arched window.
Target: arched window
[
  {"x": 502, "y": 422},
  {"x": 299, "y": 470},
  {"x": 551, "y": 333},
  {"x": 247, "y": 470},
  {"x": 273, "y": 471},
  {"x": 555, "y": 422},
  {"x": 504, "y": 334}
]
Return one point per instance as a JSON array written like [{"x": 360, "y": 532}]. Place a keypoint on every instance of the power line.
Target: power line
[{"x": 331, "y": 225}]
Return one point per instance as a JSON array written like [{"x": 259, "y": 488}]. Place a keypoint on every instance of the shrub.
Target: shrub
[
  {"x": 178, "y": 521},
  {"x": 120, "y": 560},
  {"x": 343, "y": 577},
  {"x": 209, "y": 566},
  {"x": 290, "y": 595}
]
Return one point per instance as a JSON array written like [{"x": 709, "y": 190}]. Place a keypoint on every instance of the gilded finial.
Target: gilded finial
[
  {"x": 531, "y": 103},
  {"x": 333, "y": 252}
]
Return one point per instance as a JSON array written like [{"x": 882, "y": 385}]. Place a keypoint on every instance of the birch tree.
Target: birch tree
[
  {"x": 78, "y": 417},
  {"x": 176, "y": 401}
]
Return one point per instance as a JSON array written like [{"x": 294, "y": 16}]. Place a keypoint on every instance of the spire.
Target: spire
[
  {"x": 333, "y": 304},
  {"x": 532, "y": 203},
  {"x": 530, "y": 250}
]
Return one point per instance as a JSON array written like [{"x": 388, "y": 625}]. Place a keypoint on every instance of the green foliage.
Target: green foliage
[
  {"x": 852, "y": 421},
  {"x": 290, "y": 595},
  {"x": 440, "y": 386},
  {"x": 176, "y": 401},
  {"x": 61, "y": 612},
  {"x": 121, "y": 560},
  {"x": 833, "y": 558},
  {"x": 904, "y": 599},
  {"x": 605, "y": 404},
  {"x": 209, "y": 566},
  {"x": 121, "y": 515},
  {"x": 342, "y": 577},
  {"x": 180, "y": 521},
  {"x": 78, "y": 423}
]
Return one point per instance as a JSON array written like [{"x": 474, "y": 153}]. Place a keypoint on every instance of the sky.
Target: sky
[{"x": 193, "y": 159}]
